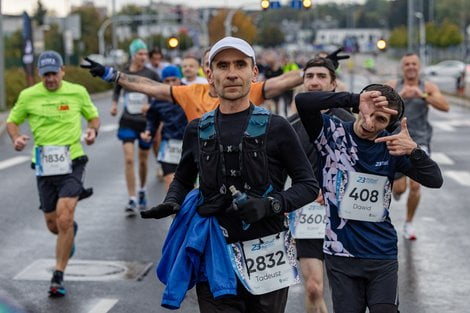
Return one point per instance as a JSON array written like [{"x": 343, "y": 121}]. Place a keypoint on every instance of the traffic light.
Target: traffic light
[
  {"x": 381, "y": 45},
  {"x": 265, "y": 4},
  {"x": 307, "y": 4},
  {"x": 173, "y": 42},
  {"x": 179, "y": 14}
]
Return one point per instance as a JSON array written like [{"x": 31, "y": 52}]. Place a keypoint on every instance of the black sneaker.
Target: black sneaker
[
  {"x": 57, "y": 288},
  {"x": 131, "y": 208},
  {"x": 75, "y": 229}
]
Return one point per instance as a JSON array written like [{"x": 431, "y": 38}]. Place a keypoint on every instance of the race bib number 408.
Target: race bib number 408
[
  {"x": 363, "y": 197},
  {"x": 265, "y": 264}
]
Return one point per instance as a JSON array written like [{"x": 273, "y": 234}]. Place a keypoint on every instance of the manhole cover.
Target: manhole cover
[{"x": 82, "y": 270}]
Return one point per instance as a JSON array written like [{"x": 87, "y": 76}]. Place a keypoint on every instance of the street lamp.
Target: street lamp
[{"x": 422, "y": 38}]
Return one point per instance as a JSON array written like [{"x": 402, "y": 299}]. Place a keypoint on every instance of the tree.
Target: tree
[
  {"x": 90, "y": 23},
  {"x": 449, "y": 35},
  {"x": 399, "y": 37},
  {"x": 242, "y": 26},
  {"x": 53, "y": 39},
  {"x": 40, "y": 13},
  {"x": 132, "y": 10},
  {"x": 270, "y": 36}
]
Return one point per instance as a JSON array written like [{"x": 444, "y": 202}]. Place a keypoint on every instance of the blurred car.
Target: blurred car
[{"x": 452, "y": 68}]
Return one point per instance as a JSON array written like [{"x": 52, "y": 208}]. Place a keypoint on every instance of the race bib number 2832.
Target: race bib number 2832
[{"x": 265, "y": 264}]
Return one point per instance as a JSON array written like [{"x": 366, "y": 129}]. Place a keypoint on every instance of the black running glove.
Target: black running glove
[
  {"x": 334, "y": 57},
  {"x": 162, "y": 210},
  {"x": 106, "y": 73},
  {"x": 253, "y": 209}
]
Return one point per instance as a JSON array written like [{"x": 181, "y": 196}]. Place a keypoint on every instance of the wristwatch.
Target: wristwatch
[
  {"x": 417, "y": 154},
  {"x": 424, "y": 96},
  {"x": 275, "y": 205}
]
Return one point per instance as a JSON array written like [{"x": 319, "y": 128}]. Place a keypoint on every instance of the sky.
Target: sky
[{"x": 62, "y": 7}]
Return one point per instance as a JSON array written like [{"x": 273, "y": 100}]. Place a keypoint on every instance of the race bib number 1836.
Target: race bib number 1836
[{"x": 53, "y": 160}]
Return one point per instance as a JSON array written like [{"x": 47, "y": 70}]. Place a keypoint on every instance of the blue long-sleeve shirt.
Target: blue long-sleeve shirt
[{"x": 194, "y": 251}]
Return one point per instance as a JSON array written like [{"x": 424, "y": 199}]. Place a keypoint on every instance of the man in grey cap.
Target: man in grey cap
[
  {"x": 240, "y": 152},
  {"x": 54, "y": 108}
]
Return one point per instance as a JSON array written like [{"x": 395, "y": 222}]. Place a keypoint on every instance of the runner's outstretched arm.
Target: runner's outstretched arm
[
  {"x": 278, "y": 85},
  {"x": 130, "y": 82}
]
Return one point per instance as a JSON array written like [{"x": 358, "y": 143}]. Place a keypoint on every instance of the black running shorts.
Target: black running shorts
[
  {"x": 51, "y": 188},
  {"x": 357, "y": 283},
  {"x": 309, "y": 248},
  {"x": 243, "y": 302}
]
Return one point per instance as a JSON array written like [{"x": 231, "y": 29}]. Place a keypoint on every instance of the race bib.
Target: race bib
[
  {"x": 170, "y": 151},
  {"x": 53, "y": 160},
  {"x": 363, "y": 197},
  {"x": 135, "y": 101},
  {"x": 308, "y": 222},
  {"x": 266, "y": 264}
]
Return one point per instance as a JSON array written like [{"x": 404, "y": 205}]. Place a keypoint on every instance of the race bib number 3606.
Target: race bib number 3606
[
  {"x": 265, "y": 264},
  {"x": 308, "y": 222},
  {"x": 363, "y": 197},
  {"x": 53, "y": 160}
]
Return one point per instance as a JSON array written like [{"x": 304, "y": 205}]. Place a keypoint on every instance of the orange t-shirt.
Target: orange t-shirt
[{"x": 195, "y": 99}]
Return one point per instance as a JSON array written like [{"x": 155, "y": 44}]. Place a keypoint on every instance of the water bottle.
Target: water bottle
[{"x": 239, "y": 198}]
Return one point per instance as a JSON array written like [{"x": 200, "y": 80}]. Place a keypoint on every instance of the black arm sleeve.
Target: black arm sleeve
[
  {"x": 153, "y": 119},
  {"x": 187, "y": 170},
  {"x": 310, "y": 104},
  {"x": 426, "y": 172},
  {"x": 116, "y": 92}
]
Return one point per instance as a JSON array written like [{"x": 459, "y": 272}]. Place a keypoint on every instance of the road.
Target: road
[{"x": 107, "y": 273}]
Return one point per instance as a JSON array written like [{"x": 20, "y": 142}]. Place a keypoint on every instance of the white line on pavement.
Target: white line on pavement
[
  {"x": 109, "y": 128},
  {"x": 103, "y": 306},
  {"x": 13, "y": 161},
  {"x": 441, "y": 158},
  {"x": 444, "y": 126},
  {"x": 462, "y": 177}
]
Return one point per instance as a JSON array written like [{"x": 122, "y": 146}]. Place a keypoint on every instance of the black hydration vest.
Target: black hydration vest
[{"x": 252, "y": 156}]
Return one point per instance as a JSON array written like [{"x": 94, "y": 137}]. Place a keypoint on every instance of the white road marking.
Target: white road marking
[
  {"x": 441, "y": 158},
  {"x": 104, "y": 305},
  {"x": 462, "y": 177},
  {"x": 109, "y": 128},
  {"x": 13, "y": 161},
  {"x": 444, "y": 126}
]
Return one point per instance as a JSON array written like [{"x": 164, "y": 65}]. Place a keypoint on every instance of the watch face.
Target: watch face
[
  {"x": 276, "y": 206},
  {"x": 417, "y": 154}
]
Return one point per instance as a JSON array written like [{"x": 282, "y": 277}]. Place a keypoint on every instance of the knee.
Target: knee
[
  {"x": 314, "y": 289},
  {"x": 415, "y": 189},
  {"x": 399, "y": 187},
  {"x": 129, "y": 161},
  {"x": 64, "y": 222}
]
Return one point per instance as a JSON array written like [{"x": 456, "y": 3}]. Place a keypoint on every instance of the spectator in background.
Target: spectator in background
[
  {"x": 156, "y": 61},
  {"x": 190, "y": 66}
]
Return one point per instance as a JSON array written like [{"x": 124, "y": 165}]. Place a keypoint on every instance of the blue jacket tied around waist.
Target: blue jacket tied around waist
[{"x": 194, "y": 251}]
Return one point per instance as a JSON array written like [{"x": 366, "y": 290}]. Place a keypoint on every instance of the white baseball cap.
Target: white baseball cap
[{"x": 232, "y": 43}]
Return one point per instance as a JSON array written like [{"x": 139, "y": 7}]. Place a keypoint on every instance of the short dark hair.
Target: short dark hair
[
  {"x": 190, "y": 56},
  {"x": 155, "y": 51},
  {"x": 395, "y": 102},
  {"x": 322, "y": 62}
]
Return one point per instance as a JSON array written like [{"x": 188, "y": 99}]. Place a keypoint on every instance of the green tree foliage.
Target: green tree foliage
[
  {"x": 13, "y": 48},
  {"x": 398, "y": 37},
  {"x": 40, "y": 13},
  {"x": 270, "y": 36},
  {"x": 53, "y": 39},
  {"x": 242, "y": 26},
  {"x": 132, "y": 10},
  {"x": 449, "y": 35},
  {"x": 90, "y": 23},
  {"x": 372, "y": 14}
]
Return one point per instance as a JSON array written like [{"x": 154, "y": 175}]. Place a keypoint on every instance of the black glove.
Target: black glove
[
  {"x": 334, "y": 57},
  {"x": 106, "y": 73},
  {"x": 162, "y": 210},
  {"x": 253, "y": 209}
]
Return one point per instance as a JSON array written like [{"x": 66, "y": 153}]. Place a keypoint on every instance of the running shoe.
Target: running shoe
[
  {"x": 142, "y": 201},
  {"x": 75, "y": 229},
  {"x": 57, "y": 288},
  {"x": 409, "y": 231},
  {"x": 131, "y": 208}
]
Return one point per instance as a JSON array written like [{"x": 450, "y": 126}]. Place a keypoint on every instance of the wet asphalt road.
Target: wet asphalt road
[{"x": 434, "y": 273}]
